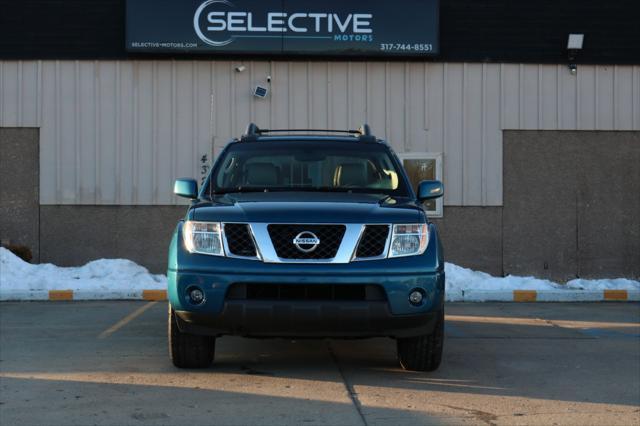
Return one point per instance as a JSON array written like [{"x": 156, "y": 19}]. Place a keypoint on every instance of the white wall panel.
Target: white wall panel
[
  {"x": 144, "y": 138},
  {"x": 119, "y": 132},
  {"x": 10, "y": 84},
  {"x": 472, "y": 142},
  {"x": 529, "y": 113},
  {"x": 416, "y": 98},
  {"x": 491, "y": 139},
  {"x": 623, "y": 97},
  {"x": 548, "y": 97},
  {"x": 453, "y": 107},
  {"x": 510, "y": 92},
  {"x": 377, "y": 98},
  {"x": 586, "y": 99},
  {"x": 568, "y": 99},
  {"x": 434, "y": 114}
]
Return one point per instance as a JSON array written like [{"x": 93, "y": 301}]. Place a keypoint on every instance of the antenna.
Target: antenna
[
  {"x": 251, "y": 134},
  {"x": 365, "y": 134},
  {"x": 365, "y": 130}
]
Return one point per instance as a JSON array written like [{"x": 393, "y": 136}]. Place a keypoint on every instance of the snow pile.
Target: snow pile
[
  {"x": 460, "y": 282},
  {"x": 103, "y": 278},
  {"x": 609, "y": 284},
  {"x": 124, "y": 279}
]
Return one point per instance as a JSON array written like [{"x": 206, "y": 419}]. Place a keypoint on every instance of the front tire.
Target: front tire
[
  {"x": 423, "y": 353},
  {"x": 189, "y": 350}
]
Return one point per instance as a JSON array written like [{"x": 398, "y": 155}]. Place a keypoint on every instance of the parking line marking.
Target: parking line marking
[
  {"x": 615, "y": 295},
  {"x": 60, "y": 294},
  {"x": 524, "y": 295},
  {"x": 497, "y": 320},
  {"x": 157, "y": 295},
  {"x": 126, "y": 320}
]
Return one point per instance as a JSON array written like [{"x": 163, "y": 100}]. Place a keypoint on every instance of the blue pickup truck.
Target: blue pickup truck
[{"x": 306, "y": 234}]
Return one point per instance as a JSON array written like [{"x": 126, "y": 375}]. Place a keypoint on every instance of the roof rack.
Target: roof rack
[{"x": 253, "y": 131}]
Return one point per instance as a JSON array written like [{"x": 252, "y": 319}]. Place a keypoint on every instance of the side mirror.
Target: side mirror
[
  {"x": 430, "y": 189},
  {"x": 187, "y": 188}
]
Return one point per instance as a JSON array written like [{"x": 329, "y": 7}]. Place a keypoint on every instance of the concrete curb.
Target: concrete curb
[
  {"x": 463, "y": 296},
  {"x": 545, "y": 296},
  {"x": 62, "y": 295}
]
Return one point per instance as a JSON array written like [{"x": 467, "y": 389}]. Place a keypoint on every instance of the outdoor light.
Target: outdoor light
[
  {"x": 574, "y": 45},
  {"x": 240, "y": 68},
  {"x": 416, "y": 297},
  {"x": 575, "y": 41}
]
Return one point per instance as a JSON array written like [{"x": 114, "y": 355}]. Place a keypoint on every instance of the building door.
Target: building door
[{"x": 571, "y": 204}]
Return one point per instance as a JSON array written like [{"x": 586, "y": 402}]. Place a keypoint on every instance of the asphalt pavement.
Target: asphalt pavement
[{"x": 106, "y": 363}]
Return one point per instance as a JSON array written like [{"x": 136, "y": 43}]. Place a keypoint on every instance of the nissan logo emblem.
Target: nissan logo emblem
[{"x": 306, "y": 241}]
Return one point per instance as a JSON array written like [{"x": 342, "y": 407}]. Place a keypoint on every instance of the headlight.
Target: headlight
[
  {"x": 409, "y": 239},
  {"x": 203, "y": 237}
]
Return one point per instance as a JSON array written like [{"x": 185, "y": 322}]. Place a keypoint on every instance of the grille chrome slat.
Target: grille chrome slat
[{"x": 344, "y": 249}]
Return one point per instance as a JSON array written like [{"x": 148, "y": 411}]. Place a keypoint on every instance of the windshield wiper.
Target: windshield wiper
[
  {"x": 370, "y": 191},
  {"x": 240, "y": 189},
  {"x": 334, "y": 189},
  {"x": 247, "y": 189},
  {"x": 320, "y": 189}
]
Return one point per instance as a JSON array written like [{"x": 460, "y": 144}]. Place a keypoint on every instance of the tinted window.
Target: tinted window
[{"x": 307, "y": 166}]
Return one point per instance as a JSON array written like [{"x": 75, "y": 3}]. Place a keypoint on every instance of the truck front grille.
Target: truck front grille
[
  {"x": 373, "y": 241},
  {"x": 239, "y": 239},
  {"x": 330, "y": 237},
  {"x": 306, "y": 292}
]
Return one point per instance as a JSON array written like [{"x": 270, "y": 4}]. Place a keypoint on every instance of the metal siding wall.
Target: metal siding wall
[{"x": 119, "y": 132}]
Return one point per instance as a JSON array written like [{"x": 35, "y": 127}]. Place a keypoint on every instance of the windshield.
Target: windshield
[{"x": 307, "y": 166}]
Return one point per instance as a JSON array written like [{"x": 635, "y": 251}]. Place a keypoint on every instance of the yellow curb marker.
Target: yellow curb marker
[
  {"x": 615, "y": 295},
  {"x": 524, "y": 295},
  {"x": 126, "y": 320},
  {"x": 156, "y": 295},
  {"x": 60, "y": 294}
]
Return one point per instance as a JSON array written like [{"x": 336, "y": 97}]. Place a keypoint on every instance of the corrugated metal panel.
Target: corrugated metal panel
[{"x": 119, "y": 132}]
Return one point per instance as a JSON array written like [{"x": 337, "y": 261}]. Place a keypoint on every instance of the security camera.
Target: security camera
[
  {"x": 268, "y": 79},
  {"x": 573, "y": 68},
  {"x": 240, "y": 68}
]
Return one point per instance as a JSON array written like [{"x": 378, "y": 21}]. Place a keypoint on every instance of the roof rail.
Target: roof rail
[{"x": 253, "y": 131}]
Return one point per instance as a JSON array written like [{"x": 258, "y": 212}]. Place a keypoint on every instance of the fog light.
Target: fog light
[
  {"x": 196, "y": 295},
  {"x": 416, "y": 297}
]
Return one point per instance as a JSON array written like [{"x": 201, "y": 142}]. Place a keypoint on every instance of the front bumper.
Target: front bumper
[{"x": 307, "y": 319}]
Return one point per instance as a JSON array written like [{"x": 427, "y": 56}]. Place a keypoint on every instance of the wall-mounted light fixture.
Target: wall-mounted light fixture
[
  {"x": 240, "y": 68},
  {"x": 574, "y": 45}
]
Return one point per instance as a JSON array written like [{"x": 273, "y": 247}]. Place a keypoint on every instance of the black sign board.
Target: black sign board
[{"x": 355, "y": 28}]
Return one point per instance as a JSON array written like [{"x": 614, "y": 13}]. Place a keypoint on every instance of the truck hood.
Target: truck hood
[{"x": 307, "y": 207}]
